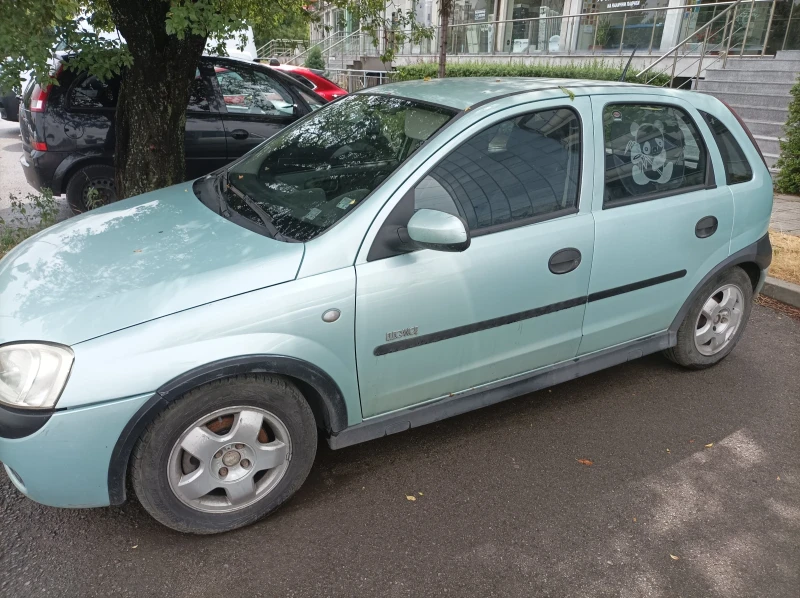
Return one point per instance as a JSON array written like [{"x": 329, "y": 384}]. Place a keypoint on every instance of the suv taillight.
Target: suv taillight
[
  {"x": 746, "y": 130},
  {"x": 39, "y": 97}
]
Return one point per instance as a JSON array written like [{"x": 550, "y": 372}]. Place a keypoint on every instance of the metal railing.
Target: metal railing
[
  {"x": 726, "y": 34},
  {"x": 356, "y": 79},
  {"x": 281, "y": 48}
]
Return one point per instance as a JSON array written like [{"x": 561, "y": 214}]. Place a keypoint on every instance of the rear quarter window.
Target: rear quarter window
[
  {"x": 91, "y": 92},
  {"x": 737, "y": 168}
]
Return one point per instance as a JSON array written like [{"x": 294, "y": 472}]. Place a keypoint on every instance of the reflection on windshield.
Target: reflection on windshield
[{"x": 310, "y": 175}]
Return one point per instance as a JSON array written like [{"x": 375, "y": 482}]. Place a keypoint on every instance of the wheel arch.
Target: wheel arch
[
  {"x": 753, "y": 259},
  {"x": 72, "y": 164},
  {"x": 319, "y": 389}
]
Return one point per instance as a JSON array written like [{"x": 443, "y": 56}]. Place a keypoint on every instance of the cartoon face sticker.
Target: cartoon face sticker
[{"x": 648, "y": 155}]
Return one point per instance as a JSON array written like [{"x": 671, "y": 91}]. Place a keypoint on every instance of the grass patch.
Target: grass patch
[
  {"x": 29, "y": 215},
  {"x": 785, "y": 256}
]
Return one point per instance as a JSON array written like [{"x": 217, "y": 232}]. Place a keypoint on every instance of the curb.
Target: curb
[{"x": 786, "y": 292}]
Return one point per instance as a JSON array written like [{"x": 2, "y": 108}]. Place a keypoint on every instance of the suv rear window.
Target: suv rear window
[{"x": 737, "y": 168}]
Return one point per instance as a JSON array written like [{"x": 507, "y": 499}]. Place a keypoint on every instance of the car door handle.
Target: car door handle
[
  {"x": 240, "y": 134},
  {"x": 564, "y": 260},
  {"x": 706, "y": 227}
]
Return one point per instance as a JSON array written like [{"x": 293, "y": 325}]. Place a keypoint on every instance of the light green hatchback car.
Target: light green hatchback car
[{"x": 402, "y": 255}]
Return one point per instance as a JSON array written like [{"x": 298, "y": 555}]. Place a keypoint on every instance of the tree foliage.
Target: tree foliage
[
  {"x": 788, "y": 180},
  {"x": 155, "y": 45},
  {"x": 314, "y": 59}
]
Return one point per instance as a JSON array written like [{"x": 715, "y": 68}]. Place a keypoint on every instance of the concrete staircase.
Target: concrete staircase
[{"x": 758, "y": 89}]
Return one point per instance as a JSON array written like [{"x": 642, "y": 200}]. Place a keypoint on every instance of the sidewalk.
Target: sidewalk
[{"x": 786, "y": 214}]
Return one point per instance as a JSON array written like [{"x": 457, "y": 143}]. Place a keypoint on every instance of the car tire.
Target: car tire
[
  {"x": 169, "y": 485},
  {"x": 99, "y": 177},
  {"x": 715, "y": 322}
]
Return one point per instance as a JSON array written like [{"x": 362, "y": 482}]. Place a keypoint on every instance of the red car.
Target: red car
[{"x": 314, "y": 79}]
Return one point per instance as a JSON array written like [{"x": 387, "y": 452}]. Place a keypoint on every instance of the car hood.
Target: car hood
[{"x": 130, "y": 262}]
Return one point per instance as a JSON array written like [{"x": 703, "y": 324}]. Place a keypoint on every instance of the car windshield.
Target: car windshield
[{"x": 310, "y": 175}]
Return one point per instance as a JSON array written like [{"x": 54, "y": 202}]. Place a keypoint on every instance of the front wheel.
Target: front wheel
[
  {"x": 715, "y": 322},
  {"x": 225, "y": 455}
]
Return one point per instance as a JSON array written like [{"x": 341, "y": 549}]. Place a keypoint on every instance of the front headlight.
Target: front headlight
[{"x": 32, "y": 376}]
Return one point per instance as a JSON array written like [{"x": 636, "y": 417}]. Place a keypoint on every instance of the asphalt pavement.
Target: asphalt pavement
[{"x": 693, "y": 491}]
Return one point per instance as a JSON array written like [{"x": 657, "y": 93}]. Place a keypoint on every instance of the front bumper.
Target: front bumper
[{"x": 65, "y": 462}]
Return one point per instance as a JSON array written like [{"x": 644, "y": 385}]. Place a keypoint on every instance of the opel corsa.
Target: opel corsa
[{"x": 402, "y": 255}]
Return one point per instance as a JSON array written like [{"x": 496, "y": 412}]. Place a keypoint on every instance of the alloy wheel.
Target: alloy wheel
[
  {"x": 229, "y": 459},
  {"x": 719, "y": 319}
]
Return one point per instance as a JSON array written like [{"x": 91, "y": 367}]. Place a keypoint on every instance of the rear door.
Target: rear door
[
  {"x": 255, "y": 105},
  {"x": 663, "y": 215}
]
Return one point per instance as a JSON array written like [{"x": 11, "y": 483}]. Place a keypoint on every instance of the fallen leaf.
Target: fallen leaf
[
  {"x": 634, "y": 519},
  {"x": 586, "y": 462},
  {"x": 709, "y": 445},
  {"x": 411, "y": 498},
  {"x": 667, "y": 450},
  {"x": 137, "y": 546},
  {"x": 674, "y": 558},
  {"x": 779, "y": 478},
  {"x": 420, "y": 493}
]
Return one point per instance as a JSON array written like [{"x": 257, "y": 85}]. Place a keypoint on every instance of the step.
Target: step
[
  {"x": 788, "y": 55},
  {"x": 744, "y": 86},
  {"x": 779, "y": 102},
  {"x": 789, "y": 77},
  {"x": 759, "y": 112},
  {"x": 770, "y": 159},
  {"x": 765, "y": 128},
  {"x": 768, "y": 145},
  {"x": 762, "y": 64}
]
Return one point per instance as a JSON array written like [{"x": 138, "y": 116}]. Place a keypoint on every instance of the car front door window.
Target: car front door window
[
  {"x": 246, "y": 91},
  {"x": 518, "y": 171}
]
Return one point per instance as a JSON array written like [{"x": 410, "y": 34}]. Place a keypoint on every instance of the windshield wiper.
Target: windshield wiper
[{"x": 260, "y": 212}]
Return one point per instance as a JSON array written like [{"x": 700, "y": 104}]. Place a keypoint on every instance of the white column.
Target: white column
[
  {"x": 569, "y": 27},
  {"x": 672, "y": 25}
]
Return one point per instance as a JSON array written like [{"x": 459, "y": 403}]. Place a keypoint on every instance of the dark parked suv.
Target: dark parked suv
[{"x": 68, "y": 129}]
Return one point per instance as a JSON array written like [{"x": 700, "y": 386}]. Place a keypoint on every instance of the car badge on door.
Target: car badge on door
[{"x": 397, "y": 334}]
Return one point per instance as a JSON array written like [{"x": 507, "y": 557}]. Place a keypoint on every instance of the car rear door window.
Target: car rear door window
[
  {"x": 92, "y": 92},
  {"x": 521, "y": 170},
  {"x": 247, "y": 91},
  {"x": 651, "y": 151},
  {"x": 737, "y": 168}
]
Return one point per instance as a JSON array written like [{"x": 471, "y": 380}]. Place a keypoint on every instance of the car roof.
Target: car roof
[{"x": 463, "y": 92}]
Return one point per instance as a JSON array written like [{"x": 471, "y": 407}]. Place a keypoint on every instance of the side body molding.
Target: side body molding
[{"x": 323, "y": 394}]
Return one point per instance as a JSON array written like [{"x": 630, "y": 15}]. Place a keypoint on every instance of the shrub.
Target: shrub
[
  {"x": 598, "y": 71},
  {"x": 29, "y": 215},
  {"x": 314, "y": 59},
  {"x": 788, "y": 180}
]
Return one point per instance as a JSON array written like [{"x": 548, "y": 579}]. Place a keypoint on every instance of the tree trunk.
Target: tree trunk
[
  {"x": 151, "y": 111},
  {"x": 444, "y": 16}
]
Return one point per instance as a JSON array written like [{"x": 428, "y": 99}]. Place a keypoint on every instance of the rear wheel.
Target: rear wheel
[
  {"x": 225, "y": 455},
  {"x": 715, "y": 322},
  {"x": 91, "y": 187}
]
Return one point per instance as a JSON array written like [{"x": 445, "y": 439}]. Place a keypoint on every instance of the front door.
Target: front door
[
  {"x": 255, "y": 106},
  {"x": 663, "y": 216},
  {"x": 430, "y": 324},
  {"x": 206, "y": 148}
]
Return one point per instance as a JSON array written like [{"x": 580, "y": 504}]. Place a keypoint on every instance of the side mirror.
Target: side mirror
[{"x": 439, "y": 231}]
